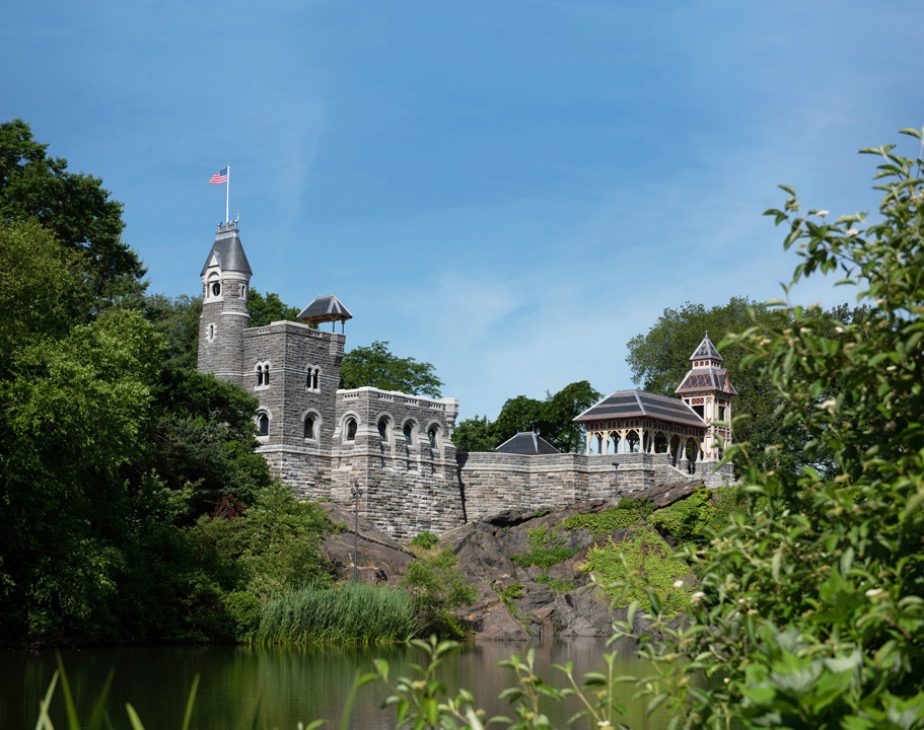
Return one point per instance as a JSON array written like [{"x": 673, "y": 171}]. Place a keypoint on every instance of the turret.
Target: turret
[
  {"x": 225, "y": 283},
  {"x": 707, "y": 389}
]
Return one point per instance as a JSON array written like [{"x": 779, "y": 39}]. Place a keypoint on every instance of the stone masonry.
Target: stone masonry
[{"x": 395, "y": 449}]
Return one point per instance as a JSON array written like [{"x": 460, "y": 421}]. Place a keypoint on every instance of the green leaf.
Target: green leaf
[
  {"x": 133, "y": 718},
  {"x": 73, "y": 719},
  {"x": 98, "y": 715},
  {"x": 190, "y": 702}
]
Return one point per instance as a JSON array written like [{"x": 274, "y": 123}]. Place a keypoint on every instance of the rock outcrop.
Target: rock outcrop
[{"x": 515, "y": 602}]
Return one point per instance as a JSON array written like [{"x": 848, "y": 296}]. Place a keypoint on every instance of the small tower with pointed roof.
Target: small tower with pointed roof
[
  {"x": 225, "y": 283},
  {"x": 708, "y": 390}
]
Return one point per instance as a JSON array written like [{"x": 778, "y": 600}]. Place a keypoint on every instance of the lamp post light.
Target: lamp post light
[{"x": 357, "y": 493}]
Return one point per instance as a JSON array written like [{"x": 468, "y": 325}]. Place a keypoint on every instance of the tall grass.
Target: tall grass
[{"x": 350, "y": 614}]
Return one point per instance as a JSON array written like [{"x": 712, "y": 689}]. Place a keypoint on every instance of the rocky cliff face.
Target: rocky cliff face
[{"x": 522, "y": 593}]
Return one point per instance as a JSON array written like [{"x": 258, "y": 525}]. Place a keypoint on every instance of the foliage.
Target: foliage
[
  {"x": 642, "y": 567},
  {"x": 512, "y": 591},
  {"x": 547, "y": 547},
  {"x": 628, "y": 512},
  {"x": 697, "y": 516},
  {"x": 177, "y": 320},
  {"x": 437, "y": 587},
  {"x": 275, "y": 544},
  {"x": 75, "y": 208},
  {"x": 815, "y": 592},
  {"x": 375, "y": 366},
  {"x": 70, "y": 428},
  {"x": 267, "y": 308},
  {"x": 353, "y": 613},
  {"x": 474, "y": 434},
  {"x": 202, "y": 436},
  {"x": 660, "y": 359},
  {"x": 553, "y": 418},
  {"x": 42, "y": 291},
  {"x": 425, "y": 540},
  {"x": 423, "y": 701},
  {"x": 558, "y": 585},
  {"x": 110, "y": 448}
]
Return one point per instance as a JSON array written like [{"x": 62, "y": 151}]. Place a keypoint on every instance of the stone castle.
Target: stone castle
[{"x": 393, "y": 452}]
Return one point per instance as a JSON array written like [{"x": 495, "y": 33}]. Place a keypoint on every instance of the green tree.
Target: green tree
[
  {"x": 552, "y": 417},
  {"x": 74, "y": 207},
  {"x": 177, "y": 320},
  {"x": 269, "y": 307},
  {"x": 811, "y": 603},
  {"x": 72, "y": 421},
  {"x": 375, "y": 366},
  {"x": 659, "y": 360},
  {"x": 474, "y": 434}
]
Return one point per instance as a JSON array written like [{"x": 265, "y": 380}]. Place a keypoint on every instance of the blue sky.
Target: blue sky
[{"x": 509, "y": 190}]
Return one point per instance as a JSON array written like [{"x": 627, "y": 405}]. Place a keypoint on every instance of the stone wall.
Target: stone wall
[
  {"x": 408, "y": 484},
  {"x": 495, "y": 482}
]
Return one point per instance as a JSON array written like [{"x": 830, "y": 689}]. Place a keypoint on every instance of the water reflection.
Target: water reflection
[{"x": 276, "y": 687}]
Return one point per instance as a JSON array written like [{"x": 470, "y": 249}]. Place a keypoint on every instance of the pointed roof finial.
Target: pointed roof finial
[{"x": 706, "y": 350}]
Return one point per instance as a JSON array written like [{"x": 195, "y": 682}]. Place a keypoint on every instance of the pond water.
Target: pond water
[{"x": 242, "y": 687}]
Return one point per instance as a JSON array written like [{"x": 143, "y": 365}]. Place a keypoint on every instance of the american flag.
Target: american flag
[{"x": 220, "y": 177}]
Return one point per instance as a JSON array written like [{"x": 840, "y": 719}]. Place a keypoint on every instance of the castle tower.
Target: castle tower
[
  {"x": 225, "y": 281},
  {"x": 707, "y": 389}
]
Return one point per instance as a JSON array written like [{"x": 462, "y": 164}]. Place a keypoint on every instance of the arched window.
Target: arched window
[
  {"x": 216, "y": 288},
  {"x": 410, "y": 432},
  {"x": 263, "y": 424},
  {"x": 310, "y": 426},
  {"x": 433, "y": 435},
  {"x": 351, "y": 429},
  {"x": 313, "y": 378},
  {"x": 384, "y": 427},
  {"x": 211, "y": 333},
  {"x": 262, "y": 370}
]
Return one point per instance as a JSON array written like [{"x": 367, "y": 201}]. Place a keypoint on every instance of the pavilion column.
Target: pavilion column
[{"x": 588, "y": 435}]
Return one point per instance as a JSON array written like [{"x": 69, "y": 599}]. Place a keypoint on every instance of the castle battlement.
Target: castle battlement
[{"x": 397, "y": 448}]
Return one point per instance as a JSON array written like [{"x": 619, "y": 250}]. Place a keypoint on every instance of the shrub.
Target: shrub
[
  {"x": 628, "y": 512},
  {"x": 812, "y": 598},
  {"x": 546, "y": 548},
  {"x": 425, "y": 540},
  {"x": 640, "y": 566},
  {"x": 556, "y": 584},
  {"x": 437, "y": 586}
]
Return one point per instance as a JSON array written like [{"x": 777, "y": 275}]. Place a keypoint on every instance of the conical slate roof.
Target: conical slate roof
[
  {"x": 527, "y": 442},
  {"x": 325, "y": 309},
  {"x": 228, "y": 250},
  {"x": 706, "y": 350}
]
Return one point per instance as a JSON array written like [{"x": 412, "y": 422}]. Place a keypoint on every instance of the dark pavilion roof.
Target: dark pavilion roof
[
  {"x": 228, "y": 250},
  {"x": 638, "y": 403},
  {"x": 706, "y": 350},
  {"x": 700, "y": 380},
  {"x": 325, "y": 309},
  {"x": 527, "y": 442}
]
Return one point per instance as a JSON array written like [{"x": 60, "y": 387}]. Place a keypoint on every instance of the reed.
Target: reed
[{"x": 355, "y": 613}]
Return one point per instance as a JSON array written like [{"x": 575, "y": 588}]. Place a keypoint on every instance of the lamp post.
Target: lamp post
[{"x": 357, "y": 493}]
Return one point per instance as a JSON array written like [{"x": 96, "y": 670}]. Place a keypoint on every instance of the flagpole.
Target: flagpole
[{"x": 228, "y": 194}]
